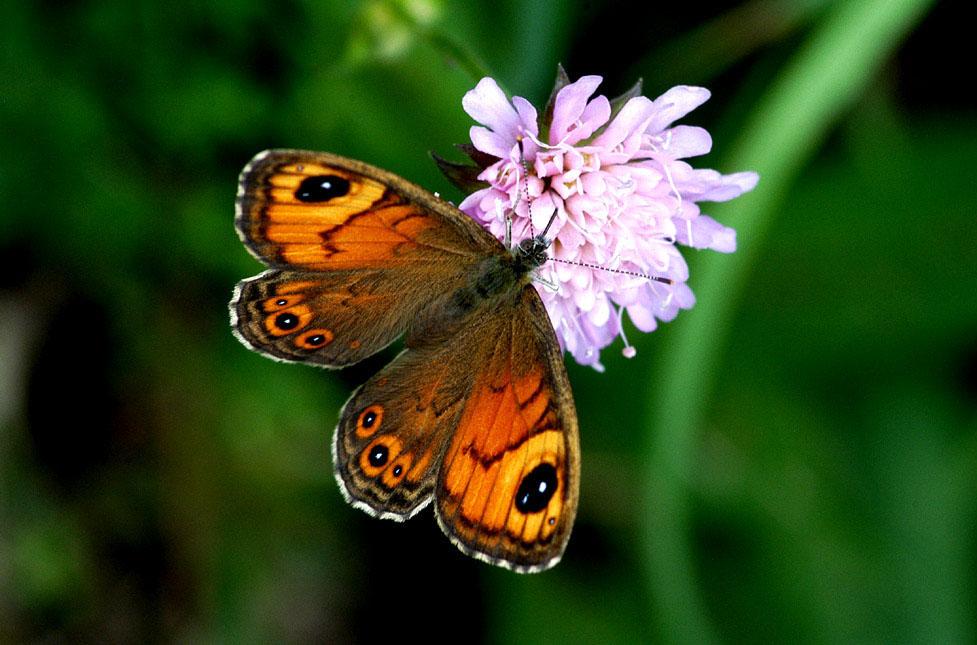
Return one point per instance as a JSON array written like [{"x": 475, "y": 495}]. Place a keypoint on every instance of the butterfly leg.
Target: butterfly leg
[{"x": 546, "y": 282}]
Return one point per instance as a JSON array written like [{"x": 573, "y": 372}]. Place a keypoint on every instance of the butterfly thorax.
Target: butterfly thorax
[
  {"x": 498, "y": 280},
  {"x": 504, "y": 274}
]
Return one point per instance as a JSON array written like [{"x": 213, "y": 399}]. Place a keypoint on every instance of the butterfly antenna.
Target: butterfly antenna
[
  {"x": 549, "y": 223},
  {"x": 529, "y": 202},
  {"x": 525, "y": 184},
  {"x": 653, "y": 278}
]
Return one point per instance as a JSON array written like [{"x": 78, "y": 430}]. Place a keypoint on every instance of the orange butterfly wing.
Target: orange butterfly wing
[
  {"x": 481, "y": 419},
  {"x": 507, "y": 488},
  {"x": 356, "y": 253},
  {"x": 321, "y": 212}
]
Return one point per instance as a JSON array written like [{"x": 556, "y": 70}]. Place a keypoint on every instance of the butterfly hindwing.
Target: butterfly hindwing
[
  {"x": 476, "y": 421},
  {"x": 332, "y": 318},
  {"x": 393, "y": 430},
  {"x": 508, "y": 484}
]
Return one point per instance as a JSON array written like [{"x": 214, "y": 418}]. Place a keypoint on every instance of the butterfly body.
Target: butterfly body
[
  {"x": 475, "y": 413},
  {"x": 499, "y": 277}
]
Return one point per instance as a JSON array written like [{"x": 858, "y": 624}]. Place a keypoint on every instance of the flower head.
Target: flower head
[{"x": 610, "y": 175}]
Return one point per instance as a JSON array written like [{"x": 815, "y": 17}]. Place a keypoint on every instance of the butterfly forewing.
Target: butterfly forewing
[
  {"x": 357, "y": 253},
  {"x": 322, "y": 212}
]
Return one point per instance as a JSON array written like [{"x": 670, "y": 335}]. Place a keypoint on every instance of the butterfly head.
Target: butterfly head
[{"x": 530, "y": 254}]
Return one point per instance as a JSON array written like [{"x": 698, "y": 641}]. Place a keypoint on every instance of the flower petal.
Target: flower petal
[
  {"x": 569, "y": 106},
  {"x": 674, "y": 104},
  {"x": 527, "y": 116},
  {"x": 686, "y": 141},
  {"x": 488, "y": 105},
  {"x": 489, "y": 142},
  {"x": 634, "y": 114},
  {"x": 706, "y": 185},
  {"x": 594, "y": 116},
  {"x": 707, "y": 233}
]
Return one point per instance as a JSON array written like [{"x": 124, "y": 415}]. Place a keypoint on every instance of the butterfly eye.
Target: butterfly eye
[
  {"x": 381, "y": 451},
  {"x": 321, "y": 188},
  {"x": 536, "y": 489},
  {"x": 369, "y": 421}
]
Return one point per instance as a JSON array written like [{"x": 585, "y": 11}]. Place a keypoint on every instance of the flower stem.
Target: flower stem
[
  {"x": 445, "y": 44},
  {"x": 450, "y": 48},
  {"x": 812, "y": 92}
]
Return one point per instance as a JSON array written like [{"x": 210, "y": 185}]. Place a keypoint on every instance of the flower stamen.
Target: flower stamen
[{"x": 629, "y": 351}]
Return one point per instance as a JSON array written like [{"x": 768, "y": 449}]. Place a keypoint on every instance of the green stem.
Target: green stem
[
  {"x": 450, "y": 48},
  {"x": 824, "y": 78},
  {"x": 728, "y": 38}
]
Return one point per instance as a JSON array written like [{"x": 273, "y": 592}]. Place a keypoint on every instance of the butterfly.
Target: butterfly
[{"x": 476, "y": 412}]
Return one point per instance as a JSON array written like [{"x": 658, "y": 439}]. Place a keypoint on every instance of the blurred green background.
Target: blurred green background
[{"x": 794, "y": 460}]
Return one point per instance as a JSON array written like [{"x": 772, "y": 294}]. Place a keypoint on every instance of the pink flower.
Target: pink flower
[{"x": 612, "y": 172}]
